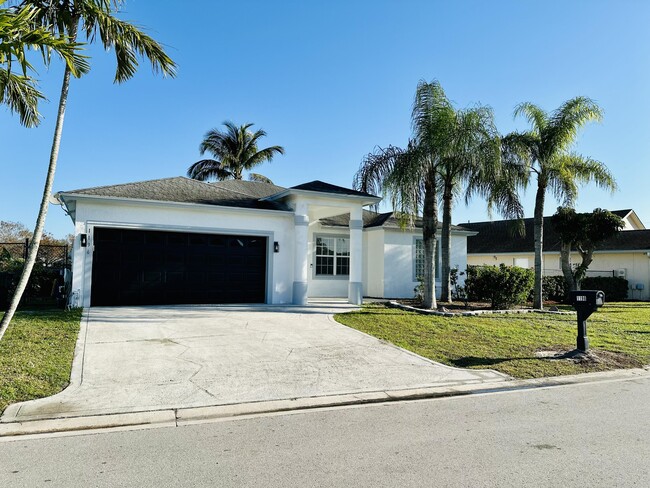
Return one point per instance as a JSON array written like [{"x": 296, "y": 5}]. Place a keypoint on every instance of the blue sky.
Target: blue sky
[{"x": 329, "y": 81}]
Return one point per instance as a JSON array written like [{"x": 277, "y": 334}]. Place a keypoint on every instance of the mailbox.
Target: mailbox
[{"x": 585, "y": 302}]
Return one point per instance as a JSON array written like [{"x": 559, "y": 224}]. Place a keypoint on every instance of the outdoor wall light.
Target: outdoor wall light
[
  {"x": 83, "y": 240},
  {"x": 276, "y": 246}
]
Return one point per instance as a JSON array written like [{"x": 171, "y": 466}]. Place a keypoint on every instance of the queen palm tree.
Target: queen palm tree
[
  {"x": 472, "y": 161},
  {"x": 234, "y": 150},
  {"x": 18, "y": 35},
  {"x": 95, "y": 20},
  {"x": 410, "y": 176},
  {"x": 544, "y": 153}
]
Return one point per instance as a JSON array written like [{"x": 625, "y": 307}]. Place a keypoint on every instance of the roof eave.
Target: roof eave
[{"x": 145, "y": 201}]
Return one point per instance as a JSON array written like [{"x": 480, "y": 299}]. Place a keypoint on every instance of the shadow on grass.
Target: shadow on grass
[{"x": 470, "y": 361}]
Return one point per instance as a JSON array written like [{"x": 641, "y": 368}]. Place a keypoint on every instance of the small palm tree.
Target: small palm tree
[
  {"x": 95, "y": 20},
  {"x": 234, "y": 150},
  {"x": 18, "y": 35},
  {"x": 544, "y": 152}
]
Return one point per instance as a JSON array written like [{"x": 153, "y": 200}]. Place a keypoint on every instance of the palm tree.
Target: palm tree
[
  {"x": 94, "y": 19},
  {"x": 471, "y": 160},
  {"x": 18, "y": 34},
  {"x": 234, "y": 150},
  {"x": 545, "y": 152},
  {"x": 410, "y": 176}
]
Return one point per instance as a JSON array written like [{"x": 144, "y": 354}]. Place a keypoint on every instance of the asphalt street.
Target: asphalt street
[{"x": 595, "y": 434}]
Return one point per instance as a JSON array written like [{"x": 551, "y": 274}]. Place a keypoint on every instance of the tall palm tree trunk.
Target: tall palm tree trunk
[
  {"x": 429, "y": 227},
  {"x": 447, "y": 199},
  {"x": 45, "y": 199},
  {"x": 538, "y": 222}
]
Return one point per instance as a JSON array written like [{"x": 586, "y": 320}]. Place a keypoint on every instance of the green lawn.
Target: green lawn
[
  {"x": 36, "y": 354},
  {"x": 619, "y": 333}
]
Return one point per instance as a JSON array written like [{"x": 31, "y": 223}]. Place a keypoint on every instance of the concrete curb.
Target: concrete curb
[{"x": 188, "y": 416}]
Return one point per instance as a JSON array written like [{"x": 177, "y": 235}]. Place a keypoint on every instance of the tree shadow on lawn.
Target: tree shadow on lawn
[{"x": 471, "y": 361}]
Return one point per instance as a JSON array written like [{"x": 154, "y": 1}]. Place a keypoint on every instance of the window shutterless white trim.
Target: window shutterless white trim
[
  {"x": 338, "y": 245},
  {"x": 418, "y": 258}
]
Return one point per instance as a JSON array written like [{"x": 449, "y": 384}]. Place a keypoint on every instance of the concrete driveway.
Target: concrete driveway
[{"x": 155, "y": 358}]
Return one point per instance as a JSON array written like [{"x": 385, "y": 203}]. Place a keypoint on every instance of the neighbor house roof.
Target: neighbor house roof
[
  {"x": 374, "y": 219},
  {"x": 502, "y": 237},
  {"x": 245, "y": 194}
]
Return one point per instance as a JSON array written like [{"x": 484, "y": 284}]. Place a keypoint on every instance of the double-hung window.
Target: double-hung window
[
  {"x": 332, "y": 256},
  {"x": 419, "y": 260}
]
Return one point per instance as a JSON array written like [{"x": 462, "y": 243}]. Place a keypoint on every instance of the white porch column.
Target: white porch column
[
  {"x": 355, "y": 287},
  {"x": 301, "y": 257}
]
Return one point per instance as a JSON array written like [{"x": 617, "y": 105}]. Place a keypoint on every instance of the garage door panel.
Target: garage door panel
[{"x": 136, "y": 267}]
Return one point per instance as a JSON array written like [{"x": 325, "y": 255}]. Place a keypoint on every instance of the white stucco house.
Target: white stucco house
[
  {"x": 626, "y": 255},
  {"x": 179, "y": 241}
]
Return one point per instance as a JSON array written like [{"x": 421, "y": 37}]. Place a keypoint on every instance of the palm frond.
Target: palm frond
[
  {"x": 259, "y": 178},
  {"x": 209, "y": 169},
  {"x": 128, "y": 41},
  {"x": 570, "y": 169},
  {"x": 567, "y": 120},
  {"x": 537, "y": 117},
  {"x": 21, "y": 96}
]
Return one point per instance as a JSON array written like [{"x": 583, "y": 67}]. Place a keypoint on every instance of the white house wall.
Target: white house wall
[
  {"x": 399, "y": 262},
  {"x": 278, "y": 227},
  {"x": 374, "y": 276}
]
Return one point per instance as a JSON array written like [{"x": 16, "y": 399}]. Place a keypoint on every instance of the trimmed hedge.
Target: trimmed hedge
[
  {"x": 615, "y": 288},
  {"x": 503, "y": 286}
]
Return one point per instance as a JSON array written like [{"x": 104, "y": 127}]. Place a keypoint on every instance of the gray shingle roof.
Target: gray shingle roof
[
  {"x": 374, "y": 219},
  {"x": 255, "y": 189},
  {"x": 323, "y": 187},
  {"x": 500, "y": 237},
  {"x": 186, "y": 190}
]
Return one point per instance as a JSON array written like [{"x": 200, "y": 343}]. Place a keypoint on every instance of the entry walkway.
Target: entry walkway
[{"x": 154, "y": 358}]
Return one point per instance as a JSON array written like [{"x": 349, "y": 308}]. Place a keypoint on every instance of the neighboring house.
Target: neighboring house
[
  {"x": 178, "y": 241},
  {"x": 626, "y": 255}
]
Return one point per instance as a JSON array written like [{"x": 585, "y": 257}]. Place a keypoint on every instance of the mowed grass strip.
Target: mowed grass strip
[
  {"x": 618, "y": 332},
  {"x": 36, "y": 354}
]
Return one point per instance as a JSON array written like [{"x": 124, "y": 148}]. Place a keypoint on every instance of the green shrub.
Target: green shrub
[
  {"x": 615, "y": 288},
  {"x": 42, "y": 285},
  {"x": 554, "y": 288},
  {"x": 503, "y": 286}
]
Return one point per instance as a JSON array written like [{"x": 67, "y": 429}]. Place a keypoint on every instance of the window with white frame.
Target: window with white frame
[
  {"x": 332, "y": 256},
  {"x": 419, "y": 260}
]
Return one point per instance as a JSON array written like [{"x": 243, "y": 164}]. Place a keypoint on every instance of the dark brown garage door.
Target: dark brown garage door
[{"x": 136, "y": 267}]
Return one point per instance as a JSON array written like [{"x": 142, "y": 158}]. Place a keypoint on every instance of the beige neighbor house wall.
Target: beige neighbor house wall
[{"x": 636, "y": 266}]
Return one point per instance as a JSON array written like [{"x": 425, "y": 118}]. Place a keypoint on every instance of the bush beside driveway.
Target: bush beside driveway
[
  {"x": 36, "y": 354},
  {"x": 619, "y": 334}
]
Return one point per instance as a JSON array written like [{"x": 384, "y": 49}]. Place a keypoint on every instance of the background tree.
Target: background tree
[
  {"x": 95, "y": 20},
  {"x": 582, "y": 232},
  {"x": 234, "y": 151},
  {"x": 545, "y": 152},
  {"x": 19, "y": 35}
]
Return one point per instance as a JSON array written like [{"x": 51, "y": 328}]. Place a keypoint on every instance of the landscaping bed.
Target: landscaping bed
[
  {"x": 521, "y": 345},
  {"x": 36, "y": 354}
]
